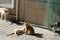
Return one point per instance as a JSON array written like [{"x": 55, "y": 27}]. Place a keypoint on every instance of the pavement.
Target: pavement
[{"x": 41, "y": 34}]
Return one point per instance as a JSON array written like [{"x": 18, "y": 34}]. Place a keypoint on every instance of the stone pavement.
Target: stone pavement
[{"x": 41, "y": 34}]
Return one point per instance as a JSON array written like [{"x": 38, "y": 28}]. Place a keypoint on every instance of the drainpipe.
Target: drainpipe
[{"x": 16, "y": 9}]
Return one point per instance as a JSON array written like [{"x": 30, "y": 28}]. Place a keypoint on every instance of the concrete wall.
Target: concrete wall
[{"x": 33, "y": 11}]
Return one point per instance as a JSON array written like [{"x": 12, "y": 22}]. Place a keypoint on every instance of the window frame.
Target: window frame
[{"x": 9, "y": 5}]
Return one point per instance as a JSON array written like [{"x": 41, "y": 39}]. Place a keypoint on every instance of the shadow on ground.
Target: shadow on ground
[
  {"x": 38, "y": 35},
  {"x": 15, "y": 21}
]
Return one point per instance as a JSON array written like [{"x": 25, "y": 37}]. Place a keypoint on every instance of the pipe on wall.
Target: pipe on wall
[{"x": 17, "y": 9}]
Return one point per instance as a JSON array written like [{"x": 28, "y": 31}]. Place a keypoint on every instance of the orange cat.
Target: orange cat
[{"x": 28, "y": 29}]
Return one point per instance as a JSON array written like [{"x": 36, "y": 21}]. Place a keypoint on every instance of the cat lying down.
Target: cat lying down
[
  {"x": 27, "y": 30},
  {"x": 15, "y": 32}
]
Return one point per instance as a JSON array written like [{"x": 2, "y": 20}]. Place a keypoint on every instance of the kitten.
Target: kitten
[{"x": 28, "y": 29}]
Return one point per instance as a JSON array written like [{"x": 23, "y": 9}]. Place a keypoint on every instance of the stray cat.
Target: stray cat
[
  {"x": 16, "y": 32},
  {"x": 57, "y": 25},
  {"x": 4, "y": 12},
  {"x": 28, "y": 29},
  {"x": 53, "y": 28}
]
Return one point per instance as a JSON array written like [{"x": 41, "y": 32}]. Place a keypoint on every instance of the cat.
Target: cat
[
  {"x": 12, "y": 32},
  {"x": 28, "y": 29},
  {"x": 57, "y": 24},
  {"x": 4, "y": 12},
  {"x": 53, "y": 28},
  {"x": 15, "y": 32}
]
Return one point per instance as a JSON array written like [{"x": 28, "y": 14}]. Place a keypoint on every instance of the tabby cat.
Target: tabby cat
[{"x": 28, "y": 29}]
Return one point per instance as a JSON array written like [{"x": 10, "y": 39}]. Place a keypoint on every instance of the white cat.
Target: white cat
[
  {"x": 15, "y": 32},
  {"x": 3, "y": 12}
]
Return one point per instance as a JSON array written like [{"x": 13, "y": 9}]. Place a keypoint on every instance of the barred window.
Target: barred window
[{"x": 7, "y": 3}]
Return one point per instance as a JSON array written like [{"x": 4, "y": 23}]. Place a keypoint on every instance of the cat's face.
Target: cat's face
[{"x": 25, "y": 24}]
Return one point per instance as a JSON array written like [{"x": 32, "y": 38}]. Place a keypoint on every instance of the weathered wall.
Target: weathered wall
[
  {"x": 21, "y": 10},
  {"x": 33, "y": 11}
]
